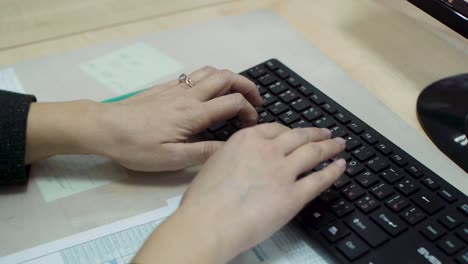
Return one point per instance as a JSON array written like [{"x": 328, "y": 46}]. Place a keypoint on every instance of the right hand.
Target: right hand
[{"x": 249, "y": 188}]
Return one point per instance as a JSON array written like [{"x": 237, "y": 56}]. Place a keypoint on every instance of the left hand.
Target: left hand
[{"x": 150, "y": 130}]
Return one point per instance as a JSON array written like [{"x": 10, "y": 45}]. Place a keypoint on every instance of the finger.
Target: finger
[
  {"x": 190, "y": 154},
  {"x": 200, "y": 74},
  {"x": 310, "y": 155},
  {"x": 229, "y": 106},
  {"x": 222, "y": 82},
  {"x": 313, "y": 184},
  {"x": 271, "y": 130},
  {"x": 297, "y": 137}
]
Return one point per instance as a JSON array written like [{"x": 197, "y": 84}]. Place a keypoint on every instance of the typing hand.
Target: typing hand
[{"x": 149, "y": 132}]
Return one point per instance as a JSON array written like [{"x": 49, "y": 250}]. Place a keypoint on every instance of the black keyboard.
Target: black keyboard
[{"x": 387, "y": 207}]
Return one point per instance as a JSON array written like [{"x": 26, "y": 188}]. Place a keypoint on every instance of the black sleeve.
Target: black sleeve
[{"x": 14, "y": 110}]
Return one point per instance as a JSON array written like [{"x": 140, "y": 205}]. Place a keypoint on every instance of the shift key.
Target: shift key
[{"x": 366, "y": 229}]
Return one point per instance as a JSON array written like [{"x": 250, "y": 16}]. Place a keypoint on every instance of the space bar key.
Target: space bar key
[{"x": 366, "y": 229}]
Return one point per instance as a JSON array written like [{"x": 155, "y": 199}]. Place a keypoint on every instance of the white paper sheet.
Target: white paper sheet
[
  {"x": 62, "y": 176},
  {"x": 130, "y": 68},
  {"x": 9, "y": 81},
  {"x": 117, "y": 243}
]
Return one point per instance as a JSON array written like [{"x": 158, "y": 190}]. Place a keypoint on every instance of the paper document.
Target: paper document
[
  {"x": 9, "y": 81},
  {"x": 117, "y": 243},
  {"x": 62, "y": 176},
  {"x": 131, "y": 68}
]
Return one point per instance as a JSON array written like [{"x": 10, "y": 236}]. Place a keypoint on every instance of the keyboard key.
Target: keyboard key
[
  {"x": 266, "y": 80},
  {"x": 300, "y": 105},
  {"x": 224, "y": 133},
  {"x": 415, "y": 172},
  {"x": 278, "y": 108},
  {"x": 407, "y": 186},
  {"x": 277, "y": 88},
  {"x": 317, "y": 99},
  {"x": 353, "y": 168},
  {"x": 428, "y": 202},
  {"x": 311, "y": 114},
  {"x": 377, "y": 164},
  {"x": 237, "y": 123},
  {"x": 341, "y": 207},
  {"x": 367, "y": 204},
  {"x": 352, "y": 143},
  {"x": 462, "y": 233},
  {"x": 430, "y": 183},
  {"x": 464, "y": 209},
  {"x": 288, "y": 96},
  {"x": 366, "y": 229},
  {"x": 432, "y": 231},
  {"x": 352, "y": 247},
  {"x": 342, "y": 155},
  {"x": 398, "y": 160},
  {"x": 335, "y": 232},
  {"x": 369, "y": 138},
  {"x": 397, "y": 203},
  {"x": 329, "y": 195},
  {"x": 257, "y": 71},
  {"x": 324, "y": 122},
  {"x": 342, "y": 181},
  {"x": 450, "y": 245},
  {"x": 447, "y": 196},
  {"x": 462, "y": 258},
  {"x": 272, "y": 65},
  {"x": 390, "y": 175},
  {"x": 262, "y": 90},
  {"x": 367, "y": 179},
  {"x": 293, "y": 81},
  {"x": 301, "y": 123},
  {"x": 265, "y": 117},
  {"x": 413, "y": 215},
  {"x": 289, "y": 117},
  {"x": 451, "y": 220},
  {"x": 217, "y": 126},
  {"x": 389, "y": 222},
  {"x": 305, "y": 90},
  {"x": 268, "y": 99},
  {"x": 384, "y": 149},
  {"x": 363, "y": 153},
  {"x": 343, "y": 119},
  {"x": 382, "y": 191},
  {"x": 316, "y": 215},
  {"x": 357, "y": 129},
  {"x": 338, "y": 131},
  {"x": 282, "y": 73},
  {"x": 329, "y": 108},
  {"x": 353, "y": 191}
]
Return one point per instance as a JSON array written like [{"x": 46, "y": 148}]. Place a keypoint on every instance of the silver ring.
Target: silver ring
[{"x": 183, "y": 78}]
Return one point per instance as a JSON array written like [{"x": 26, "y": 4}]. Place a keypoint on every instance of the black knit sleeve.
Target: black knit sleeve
[{"x": 14, "y": 110}]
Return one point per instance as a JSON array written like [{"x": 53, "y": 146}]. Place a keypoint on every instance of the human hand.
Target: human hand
[
  {"x": 249, "y": 188},
  {"x": 150, "y": 130}
]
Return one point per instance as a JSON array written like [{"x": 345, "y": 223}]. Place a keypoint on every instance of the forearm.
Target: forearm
[
  {"x": 183, "y": 239},
  {"x": 64, "y": 128}
]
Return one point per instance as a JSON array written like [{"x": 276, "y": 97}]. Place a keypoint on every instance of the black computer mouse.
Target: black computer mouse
[{"x": 442, "y": 110}]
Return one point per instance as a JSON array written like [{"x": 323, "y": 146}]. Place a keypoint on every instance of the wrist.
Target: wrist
[{"x": 64, "y": 128}]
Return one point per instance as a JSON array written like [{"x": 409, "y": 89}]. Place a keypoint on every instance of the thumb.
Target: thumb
[{"x": 189, "y": 154}]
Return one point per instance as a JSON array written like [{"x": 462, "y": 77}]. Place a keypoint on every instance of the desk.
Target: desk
[{"x": 391, "y": 47}]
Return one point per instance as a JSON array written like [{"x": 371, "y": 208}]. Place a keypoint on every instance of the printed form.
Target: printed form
[{"x": 118, "y": 242}]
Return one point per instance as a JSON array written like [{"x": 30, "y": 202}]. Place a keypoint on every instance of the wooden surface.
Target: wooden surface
[{"x": 391, "y": 47}]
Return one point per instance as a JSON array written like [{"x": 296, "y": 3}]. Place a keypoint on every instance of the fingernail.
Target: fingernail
[
  {"x": 340, "y": 141},
  {"x": 341, "y": 163},
  {"x": 326, "y": 131}
]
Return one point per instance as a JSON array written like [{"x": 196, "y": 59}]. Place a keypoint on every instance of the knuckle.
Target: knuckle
[{"x": 208, "y": 68}]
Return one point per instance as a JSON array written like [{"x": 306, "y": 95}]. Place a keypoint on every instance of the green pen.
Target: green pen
[{"x": 123, "y": 96}]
